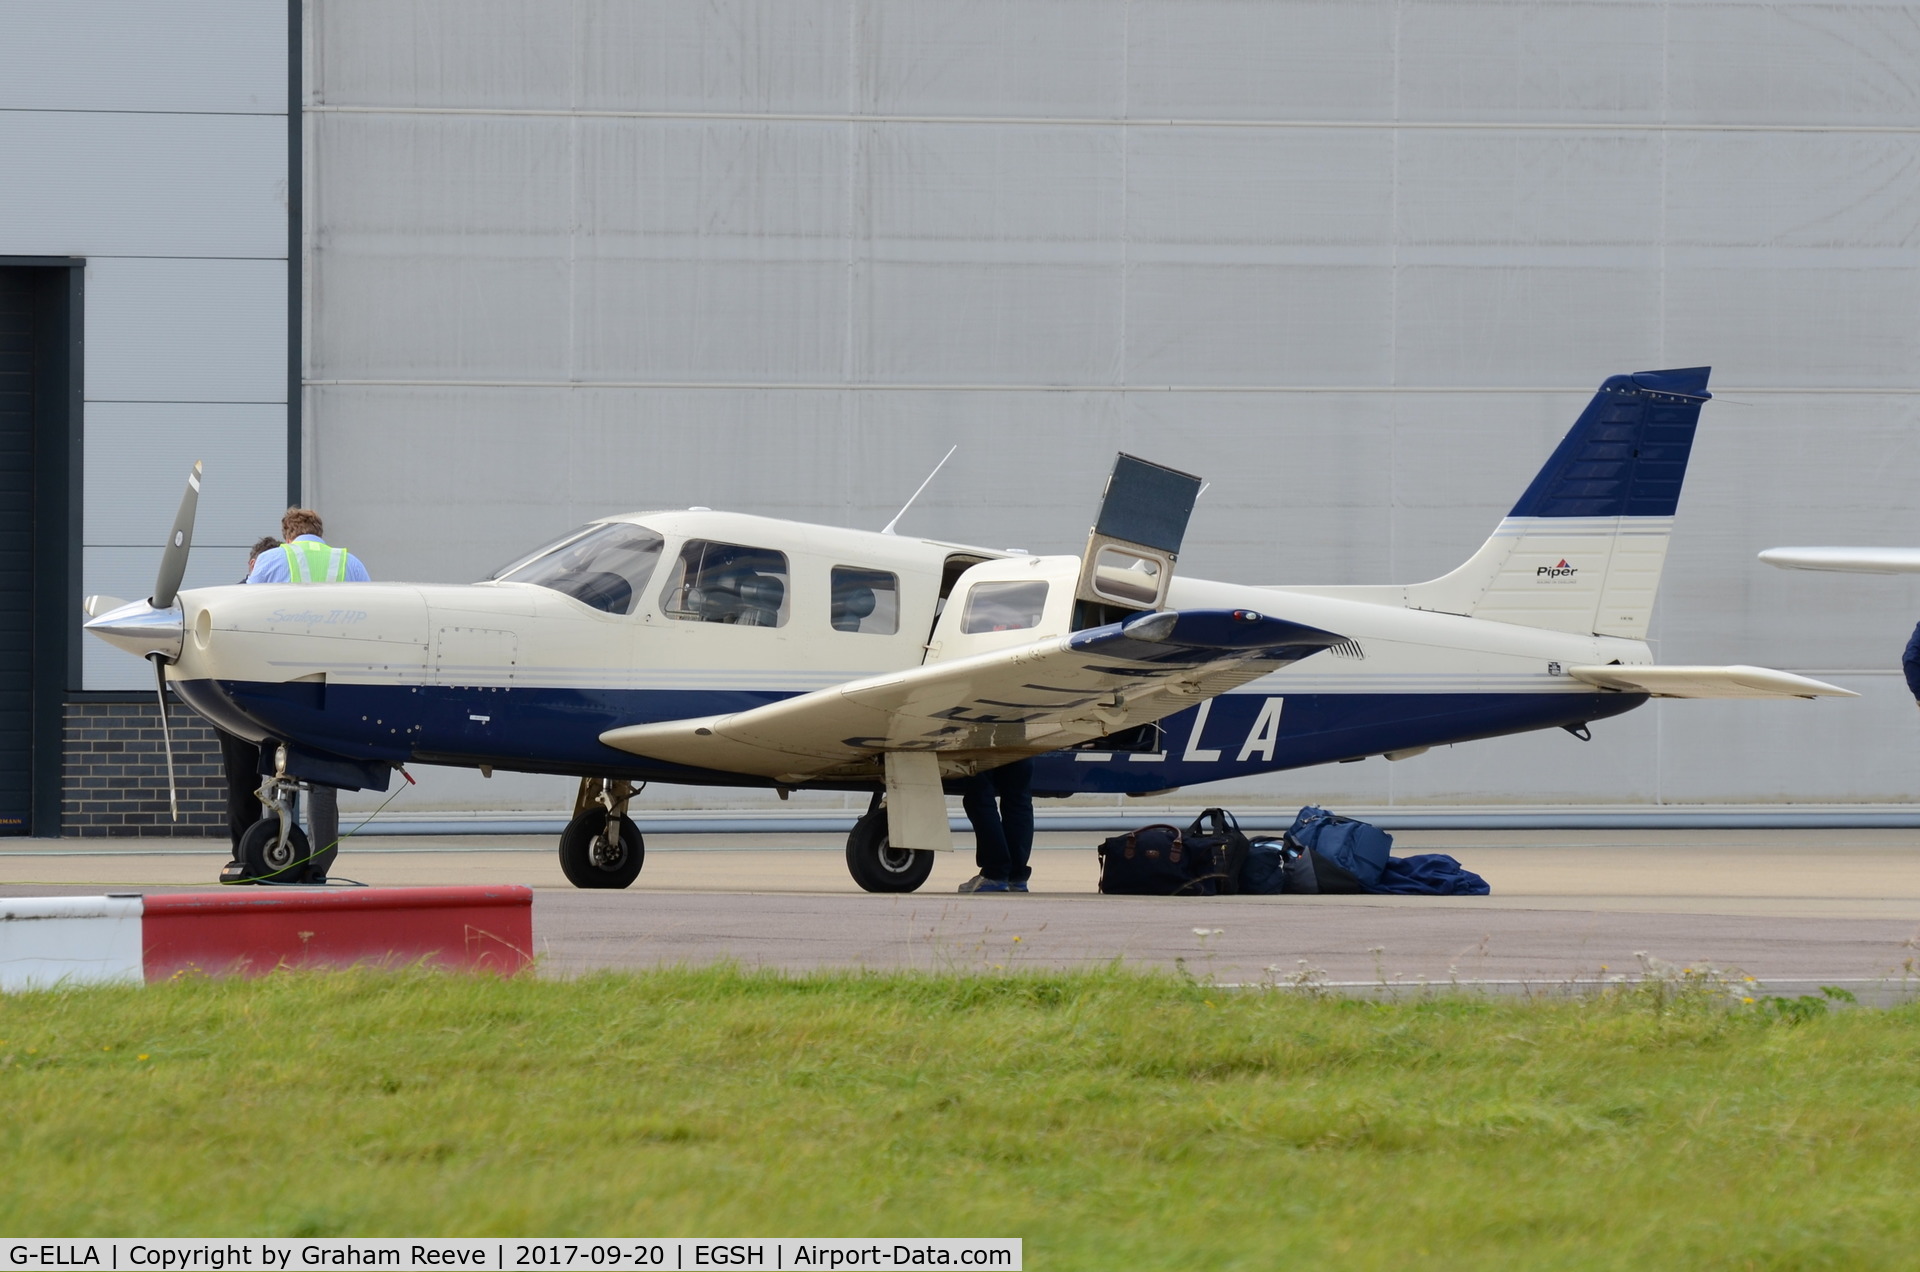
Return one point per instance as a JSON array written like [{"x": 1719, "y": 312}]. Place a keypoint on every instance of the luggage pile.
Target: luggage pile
[{"x": 1321, "y": 852}]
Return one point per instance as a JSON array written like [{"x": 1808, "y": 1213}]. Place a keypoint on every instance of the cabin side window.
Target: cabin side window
[
  {"x": 1004, "y": 607},
  {"x": 865, "y": 601},
  {"x": 727, "y": 583},
  {"x": 605, "y": 566}
]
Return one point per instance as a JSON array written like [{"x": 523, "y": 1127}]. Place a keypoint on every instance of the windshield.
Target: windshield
[{"x": 606, "y": 566}]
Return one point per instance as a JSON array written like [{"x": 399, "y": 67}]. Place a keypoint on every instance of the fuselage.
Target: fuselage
[{"x": 669, "y": 616}]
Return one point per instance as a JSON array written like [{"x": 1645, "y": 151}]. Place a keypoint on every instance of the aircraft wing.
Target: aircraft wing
[
  {"x": 997, "y": 706},
  {"x": 1708, "y": 682},
  {"x": 1847, "y": 560}
]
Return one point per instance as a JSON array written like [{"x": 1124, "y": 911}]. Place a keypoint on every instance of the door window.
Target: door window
[
  {"x": 865, "y": 601},
  {"x": 1004, "y": 607},
  {"x": 727, "y": 583}
]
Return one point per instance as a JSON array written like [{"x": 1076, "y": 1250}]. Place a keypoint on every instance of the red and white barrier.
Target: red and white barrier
[{"x": 48, "y": 941}]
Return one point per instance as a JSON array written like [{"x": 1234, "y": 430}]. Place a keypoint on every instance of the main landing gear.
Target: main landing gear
[
  {"x": 601, "y": 847},
  {"x": 275, "y": 849},
  {"x": 876, "y": 864}
]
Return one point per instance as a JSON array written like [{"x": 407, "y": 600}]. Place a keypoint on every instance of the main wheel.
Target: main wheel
[
  {"x": 592, "y": 858},
  {"x": 877, "y": 865},
  {"x": 266, "y": 858}
]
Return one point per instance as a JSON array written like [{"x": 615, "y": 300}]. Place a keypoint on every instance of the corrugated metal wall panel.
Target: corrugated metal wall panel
[
  {"x": 226, "y": 56},
  {"x": 1140, "y": 221}
]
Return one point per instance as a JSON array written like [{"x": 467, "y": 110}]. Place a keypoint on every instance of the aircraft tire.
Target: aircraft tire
[
  {"x": 877, "y": 866},
  {"x": 265, "y": 859},
  {"x": 578, "y": 860}
]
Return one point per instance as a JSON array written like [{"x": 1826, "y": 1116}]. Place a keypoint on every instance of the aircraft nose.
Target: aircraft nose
[{"x": 141, "y": 629}]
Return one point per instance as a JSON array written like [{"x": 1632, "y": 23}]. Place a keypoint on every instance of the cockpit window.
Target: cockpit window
[
  {"x": 727, "y": 583},
  {"x": 606, "y": 566}
]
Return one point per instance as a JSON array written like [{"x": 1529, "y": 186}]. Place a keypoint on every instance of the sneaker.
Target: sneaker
[
  {"x": 980, "y": 883},
  {"x": 1016, "y": 885}
]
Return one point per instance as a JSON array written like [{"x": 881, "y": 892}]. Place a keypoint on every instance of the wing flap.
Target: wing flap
[
  {"x": 1708, "y": 682},
  {"x": 1002, "y": 705}
]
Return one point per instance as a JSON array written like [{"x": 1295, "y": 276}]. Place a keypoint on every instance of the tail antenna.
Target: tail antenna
[{"x": 888, "y": 528}]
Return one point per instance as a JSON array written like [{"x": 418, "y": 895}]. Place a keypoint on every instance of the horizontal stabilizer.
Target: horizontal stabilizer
[
  {"x": 1846, "y": 560},
  {"x": 993, "y": 708},
  {"x": 1708, "y": 682}
]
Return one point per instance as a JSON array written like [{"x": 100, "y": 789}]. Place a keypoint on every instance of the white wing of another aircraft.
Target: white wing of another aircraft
[
  {"x": 1015, "y": 702},
  {"x": 1846, "y": 560}
]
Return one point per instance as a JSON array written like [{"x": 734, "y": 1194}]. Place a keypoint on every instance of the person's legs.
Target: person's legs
[
  {"x": 989, "y": 837},
  {"x": 1014, "y": 784},
  {"x": 323, "y": 817},
  {"x": 241, "y": 759}
]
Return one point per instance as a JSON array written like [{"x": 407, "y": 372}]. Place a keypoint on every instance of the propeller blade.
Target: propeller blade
[
  {"x": 166, "y": 736},
  {"x": 173, "y": 561}
]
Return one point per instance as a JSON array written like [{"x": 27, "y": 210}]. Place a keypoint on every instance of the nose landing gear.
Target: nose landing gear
[
  {"x": 275, "y": 849},
  {"x": 601, "y": 847}
]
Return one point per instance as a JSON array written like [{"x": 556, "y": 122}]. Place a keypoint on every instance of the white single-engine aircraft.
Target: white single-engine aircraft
[{"x": 714, "y": 648}]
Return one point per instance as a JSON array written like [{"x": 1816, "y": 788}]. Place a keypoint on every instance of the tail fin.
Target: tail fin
[{"x": 1583, "y": 549}]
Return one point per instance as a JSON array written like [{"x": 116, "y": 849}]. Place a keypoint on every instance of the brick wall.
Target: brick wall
[{"x": 114, "y": 778}]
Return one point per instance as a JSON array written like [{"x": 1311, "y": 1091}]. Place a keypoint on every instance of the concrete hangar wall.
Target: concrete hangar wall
[{"x": 1357, "y": 263}]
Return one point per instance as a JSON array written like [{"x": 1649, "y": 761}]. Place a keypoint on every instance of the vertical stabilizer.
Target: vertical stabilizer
[{"x": 1583, "y": 549}]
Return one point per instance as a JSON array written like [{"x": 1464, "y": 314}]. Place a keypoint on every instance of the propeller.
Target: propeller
[
  {"x": 166, "y": 588},
  {"x": 166, "y": 734},
  {"x": 173, "y": 561},
  {"x": 155, "y": 628}
]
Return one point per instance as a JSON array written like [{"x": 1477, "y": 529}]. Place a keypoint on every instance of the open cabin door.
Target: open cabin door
[{"x": 1135, "y": 541}]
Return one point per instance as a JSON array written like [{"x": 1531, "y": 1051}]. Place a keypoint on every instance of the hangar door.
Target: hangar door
[{"x": 38, "y": 311}]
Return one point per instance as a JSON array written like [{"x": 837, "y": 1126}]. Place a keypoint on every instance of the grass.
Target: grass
[{"x": 1112, "y": 1120}]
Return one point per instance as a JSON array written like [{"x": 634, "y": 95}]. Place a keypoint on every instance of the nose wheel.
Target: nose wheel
[
  {"x": 601, "y": 847},
  {"x": 275, "y": 849}
]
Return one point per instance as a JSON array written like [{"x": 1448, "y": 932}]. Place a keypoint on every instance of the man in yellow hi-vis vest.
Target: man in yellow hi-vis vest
[{"x": 307, "y": 558}]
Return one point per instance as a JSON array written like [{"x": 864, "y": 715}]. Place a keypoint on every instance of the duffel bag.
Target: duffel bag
[
  {"x": 1264, "y": 872},
  {"x": 1217, "y": 850},
  {"x": 1152, "y": 861},
  {"x": 1342, "y": 855}
]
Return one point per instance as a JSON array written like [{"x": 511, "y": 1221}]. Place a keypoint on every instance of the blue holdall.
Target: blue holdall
[{"x": 1341, "y": 854}]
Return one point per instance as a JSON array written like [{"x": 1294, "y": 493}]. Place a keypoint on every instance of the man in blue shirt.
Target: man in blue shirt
[{"x": 305, "y": 557}]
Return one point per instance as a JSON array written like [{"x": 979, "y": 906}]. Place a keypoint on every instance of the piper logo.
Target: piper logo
[{"x": 1560, "y": 571}]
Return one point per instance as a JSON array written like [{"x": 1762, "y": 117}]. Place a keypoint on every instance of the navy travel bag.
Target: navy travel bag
[{"x": 1341, "y": 854}]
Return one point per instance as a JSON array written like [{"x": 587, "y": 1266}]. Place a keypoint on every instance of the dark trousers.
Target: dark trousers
[
  {"x": 999, "y": 803},
  {"x": 241, "y": 759},
  {"x": 323, "y": 816}
]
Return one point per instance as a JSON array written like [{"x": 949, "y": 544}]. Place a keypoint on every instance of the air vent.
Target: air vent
[{"x": 1348, "y": 649}]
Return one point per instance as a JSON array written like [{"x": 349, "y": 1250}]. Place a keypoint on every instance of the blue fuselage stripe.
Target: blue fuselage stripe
[{"x": 558, "y": 730}]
